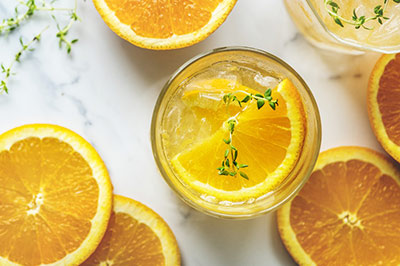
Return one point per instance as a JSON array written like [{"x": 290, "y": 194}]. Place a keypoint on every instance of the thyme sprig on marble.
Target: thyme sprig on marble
[
  {"x": 357, "y": 21},
  {"x": 8, "y": 71},
  {"x": 30, "y": 7},
  {"x": 63, "y": 31},
  {"x": 229, "y": 165}
]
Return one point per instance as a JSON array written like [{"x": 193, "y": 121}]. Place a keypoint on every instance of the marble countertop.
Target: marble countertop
[{"x": 106, "y": 90}]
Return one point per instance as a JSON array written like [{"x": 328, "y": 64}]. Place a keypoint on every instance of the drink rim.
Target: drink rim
[{"x": 156, "y": 113}]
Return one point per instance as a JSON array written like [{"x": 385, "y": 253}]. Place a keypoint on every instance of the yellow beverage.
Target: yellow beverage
[
  {"x": 275, "y": 149},
  {"x": 317, "y": 25}
]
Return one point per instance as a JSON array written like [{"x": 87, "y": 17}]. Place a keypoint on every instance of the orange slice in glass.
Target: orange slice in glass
[
  {"x": 136, "y": 235},
  {"x": 268, "y": 141},
  {"x": 348, "y": 213},
  {"x": 55, "y": 197},
  {"x": 164, "y": 24},
  {"x": 384, "y": 103}
]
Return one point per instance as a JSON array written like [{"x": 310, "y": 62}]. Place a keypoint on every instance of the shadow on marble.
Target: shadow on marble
[
  {"x": 351, "y": 74},
  {"x": 160, "y": 65},
  {"x": 278, "y": 247},
  {"x": 229, "y": 242}
]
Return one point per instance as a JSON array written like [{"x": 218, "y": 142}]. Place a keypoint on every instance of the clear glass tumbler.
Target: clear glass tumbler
[{"x": 167, "y": 118}]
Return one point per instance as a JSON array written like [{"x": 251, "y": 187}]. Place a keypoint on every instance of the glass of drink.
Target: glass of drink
[
  {"x": 236, "y": 132},
  {"x": 350, "y": 26}
]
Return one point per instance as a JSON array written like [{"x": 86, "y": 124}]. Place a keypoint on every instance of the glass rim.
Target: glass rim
[
  {"x": 156, "y": 113},
  {"x": 348, "y": 42}
]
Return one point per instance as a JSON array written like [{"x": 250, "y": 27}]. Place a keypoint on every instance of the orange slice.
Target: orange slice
[
  {"x": 164, "y": 24},
  {"x": 136, "y": 235},
  {"x": 268, "y": 141},
  {"x": 348, "y": 213},
  {"x": 384, "y": 104},
  {"x": 55, "y": 197}
]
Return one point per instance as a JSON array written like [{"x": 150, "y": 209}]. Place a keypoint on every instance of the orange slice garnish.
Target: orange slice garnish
[{"x": 268, "y": 141}]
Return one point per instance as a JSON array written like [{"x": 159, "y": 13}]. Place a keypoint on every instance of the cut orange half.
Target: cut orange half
[
  {"x": 136, "y": 235},
  {"x": 384, "y": 103},
  {"x": 348, "y": 213},
  {"x": 55, "y": 197},
  {"x": 268, "y": 141},
  {"x": 164, "y": 24}
]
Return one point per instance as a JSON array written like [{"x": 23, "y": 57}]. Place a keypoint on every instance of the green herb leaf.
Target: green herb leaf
[
  {"x": 338, "y": 21},
  {"x": 246, "y": 99},
  {"x": 260, "y": 103},
  {"x": 242, "y": 174},
  {"x": 227, "y": 141},
  {"x": 268, "y": 93},
  {"x": 226, "y": 153}
]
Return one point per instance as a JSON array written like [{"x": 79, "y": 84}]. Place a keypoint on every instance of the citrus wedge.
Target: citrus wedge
[
  {"x": 268, "y": 141},
  {"x": 384, "y": 104},
  {"x": 55, "y": 197},
  {"x": 348, "y": 213},
  {"x": 164, "y": 24},
  {"x": 136, "y": 235}
]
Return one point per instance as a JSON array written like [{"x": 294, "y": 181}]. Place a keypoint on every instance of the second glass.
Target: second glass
[{"x": 315, "y": 20}]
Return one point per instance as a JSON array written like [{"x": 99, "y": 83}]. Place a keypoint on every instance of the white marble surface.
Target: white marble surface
[{"x": 106, "y": 90}]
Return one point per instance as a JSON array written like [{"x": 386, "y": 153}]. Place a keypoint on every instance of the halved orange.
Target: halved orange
[
  {"x": 348, "y": 213},
  {"x": 136, "y": 235},
  {"x": 55, "y": 197},
  {"x": 384, "y": 103},
  {"x": 268, "y": 141},
  {"x": 164, "y": 24}
]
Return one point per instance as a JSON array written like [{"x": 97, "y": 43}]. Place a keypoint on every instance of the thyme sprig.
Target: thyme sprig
[
  {"x": 8, "y": 71},
  {"x": 357, "y": 21},
  {"x": 229, "y": 165},
  {"x": 12, "y": 23},
  {"x": 63, "y": 31},
  {"x": 30, "y": 8},
  {"x": 261, "y": 99}
]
